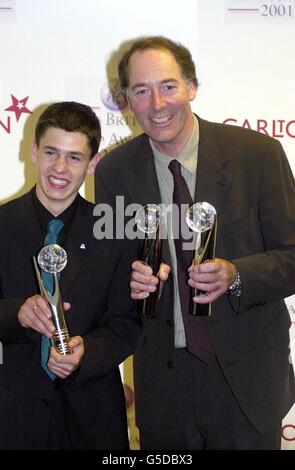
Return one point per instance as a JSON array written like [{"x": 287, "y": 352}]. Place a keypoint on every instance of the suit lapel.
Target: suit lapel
[
  {"x": 77, "y": 244},
  {"x": 146, "y": 186},
  {"x": 143, "y": 182},
  {"x": 24, "y": 241},
  {"x": 29, "y": 232},
  {"x": 213, "y": 178}
]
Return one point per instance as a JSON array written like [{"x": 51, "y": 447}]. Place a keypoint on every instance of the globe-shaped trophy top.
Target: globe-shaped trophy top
[
  {"x": 200, "y": 216},
  {"x": 52, "y": 259},
  {"x": 147, "y": 218}
]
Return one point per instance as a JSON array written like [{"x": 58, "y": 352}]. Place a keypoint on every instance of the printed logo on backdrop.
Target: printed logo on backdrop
[
  {"x": 112, "y": 96},
  {"x": 7, "y": 11},
  {"x": 13, "y": 113},
  {"x": 117, "y": 114},
  {"x": 109, "y": 103},
  {"x": 277, "y": 128},
  {"x": 262, "y": 12}
]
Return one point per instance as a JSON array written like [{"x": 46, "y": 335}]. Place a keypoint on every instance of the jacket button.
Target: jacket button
[{"x": 45, "y": 401}]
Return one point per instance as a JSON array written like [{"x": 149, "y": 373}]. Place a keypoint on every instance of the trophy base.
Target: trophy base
[
  {"x": 199, "y": 310},
  {"x": 60, "y": 341},
  {"x": 149, "y": 307}
]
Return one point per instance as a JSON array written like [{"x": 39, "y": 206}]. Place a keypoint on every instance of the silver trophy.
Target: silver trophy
[
  {"x": 202, "y": 219},
  {"x": 52, "y": 259},
  {"x": 148, "y": 219}
]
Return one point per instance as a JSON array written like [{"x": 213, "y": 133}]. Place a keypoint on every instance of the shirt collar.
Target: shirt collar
[
  {"x": 188, "y": 157},
  {"x": 44, "y": 216}
]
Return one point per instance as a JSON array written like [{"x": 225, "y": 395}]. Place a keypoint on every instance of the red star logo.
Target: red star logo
[{"x": 18, "y": 107}]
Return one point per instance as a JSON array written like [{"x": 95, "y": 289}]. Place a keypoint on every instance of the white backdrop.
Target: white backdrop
[{"x": 67, "y": 49}]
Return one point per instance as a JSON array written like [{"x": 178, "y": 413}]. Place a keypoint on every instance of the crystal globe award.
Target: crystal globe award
[
  {"x": 52, "y": 259},
  {"x": 202, "y": 219},
  {"x": 148, "y": 220}
]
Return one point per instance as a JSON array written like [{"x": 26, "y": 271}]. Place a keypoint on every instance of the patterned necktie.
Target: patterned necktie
[
  {"x": 197, "y": 338},
  {"x": 53, "y": 229}
]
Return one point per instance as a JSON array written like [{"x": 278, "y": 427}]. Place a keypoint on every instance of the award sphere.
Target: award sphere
[{"x": 52, "y": 259}]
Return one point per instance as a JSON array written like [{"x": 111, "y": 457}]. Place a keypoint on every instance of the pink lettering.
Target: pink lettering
[
  {"x": 262, "y": 125},
  {"x": 6, "y": 128},
  {"x": 229, "y": 120},
  {"x": 274, "y": 134},
  {"x": 246, "y": 124},
  {"x": 288, "y": 129}
]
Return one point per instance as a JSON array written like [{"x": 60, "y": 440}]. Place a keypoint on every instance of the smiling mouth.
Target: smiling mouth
[
  {"x": 161, "y": 119},
  {"x": 58, "y": 182}
]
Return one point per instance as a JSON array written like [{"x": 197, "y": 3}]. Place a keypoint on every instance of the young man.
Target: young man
[
  {"x": 82, "y": 405},
  {"x": 224, "y": 381}
]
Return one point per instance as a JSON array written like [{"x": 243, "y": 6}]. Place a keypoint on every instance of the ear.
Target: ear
[
  {"x": 34, "y": 149},
  {"x": 93, "y": 162},
  {"x": 192, "y": 91}
]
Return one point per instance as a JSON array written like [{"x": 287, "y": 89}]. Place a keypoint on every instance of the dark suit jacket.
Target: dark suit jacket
[
  {"x": 246, "y": 176},
  {"x": 95, "y": 282}
]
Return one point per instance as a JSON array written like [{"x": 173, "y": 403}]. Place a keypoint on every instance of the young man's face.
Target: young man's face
[
  {"x": 160, "y": 99},
  {"x": 62, "y": 162}
]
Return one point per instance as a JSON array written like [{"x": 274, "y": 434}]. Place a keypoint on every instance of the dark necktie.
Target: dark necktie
[
  {"x": 53, "y": 229},
  {"x": 197, "y": 338}
]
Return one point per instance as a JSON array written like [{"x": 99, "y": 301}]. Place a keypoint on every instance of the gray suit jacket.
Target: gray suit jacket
[{"x": 246, "y": 176}]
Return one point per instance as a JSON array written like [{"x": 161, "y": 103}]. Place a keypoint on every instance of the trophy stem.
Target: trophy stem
[
  {"x": 200, "y": 310},
  {"x": 150, "y": 305},
  {"x": 61, "y": 335},
  {"x": 152, "y": 252},
  {"x": 148, "y": 219},
  {"x": 205, "y": 250}
]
